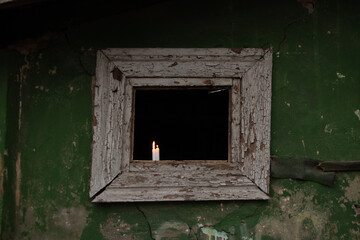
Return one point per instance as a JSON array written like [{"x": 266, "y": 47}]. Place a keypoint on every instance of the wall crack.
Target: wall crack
[
  {"x": 286, "y": 28},
  {"x": 191, "y": 230},
  {"x": 146, "y": 220}
]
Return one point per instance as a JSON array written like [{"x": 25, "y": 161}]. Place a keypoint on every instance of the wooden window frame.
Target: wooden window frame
[{"x": 116, "y": 177}]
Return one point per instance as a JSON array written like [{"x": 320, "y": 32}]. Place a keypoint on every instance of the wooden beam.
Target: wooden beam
[
  {"x": 300, "y": 168},
  {"x": 339, "y": 166}
]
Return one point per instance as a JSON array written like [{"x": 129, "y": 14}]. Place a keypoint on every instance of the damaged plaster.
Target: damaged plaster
[
  {"x": 171, "y": 230},
  {"x": 214, "y": 234},
  {"x": 357, "y": 113},
  {"x": 352, "y": 191},
  {"x": 116, "y": 228},
  {"x": 328, "y": 129},
  {"x": 295, "y": 216},
  {"x": 352, "y": 197},
  {"x": 340, "y": 75},
  {"x": 62, "y": 223}
]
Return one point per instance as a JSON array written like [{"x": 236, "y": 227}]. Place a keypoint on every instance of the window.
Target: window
[
  {"x": 188, "y": 124},
  {"x": 127, "y": 77}
]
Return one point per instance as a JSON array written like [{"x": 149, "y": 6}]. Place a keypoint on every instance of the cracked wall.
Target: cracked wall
[{"x": 46, "y": 121}]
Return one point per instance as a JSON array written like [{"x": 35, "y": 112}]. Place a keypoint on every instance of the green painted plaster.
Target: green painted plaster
[
  {"x": 3, "y": 96},
  {"x": 315, "y": 114}
]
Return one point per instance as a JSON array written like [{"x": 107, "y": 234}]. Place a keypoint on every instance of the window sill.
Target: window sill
[{"x": 174, "y": 181}]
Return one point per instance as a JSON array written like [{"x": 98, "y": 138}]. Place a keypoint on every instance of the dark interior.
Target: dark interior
[{"x": 187, "y": 124}]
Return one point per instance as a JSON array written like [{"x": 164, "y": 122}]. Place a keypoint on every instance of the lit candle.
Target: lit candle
[{"x": 155, "y": 152}]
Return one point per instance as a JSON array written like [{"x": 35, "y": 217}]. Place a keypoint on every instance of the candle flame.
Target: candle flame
[{"x": 153, "y": 145}]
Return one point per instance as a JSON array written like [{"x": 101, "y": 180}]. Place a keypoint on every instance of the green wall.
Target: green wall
[
  {"x": 45, "y": 104},
  {"x": 3, "y": 96}
]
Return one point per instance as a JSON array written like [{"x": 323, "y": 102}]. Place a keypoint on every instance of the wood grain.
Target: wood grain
[
  {"x": 255, "y": 122},
  {"x": 180, "y": 186},
  {"x": 245, "y": 175},
  {"x": 108, "y": 101}
]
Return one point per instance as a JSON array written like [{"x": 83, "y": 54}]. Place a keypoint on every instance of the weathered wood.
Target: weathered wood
[
  {"x": 300, "y": 168},
  {"x": 235, "y": 122},
  {"x": 255, "y": 122},
  {"x": 215, "y": 178},
  {"x": 179, "y": 186},
  {"x": 180, "y": 82},
  {"x": 166, "y": 69},
  {"x": 108, "y": 99},
  {"x": 181, "y": 194},
  {"x": 184, "y": 53},
  {"x": 127, "y": 125},
  {"x": 119, "y": 71},
  {"x": 184, "y": 62},
  {"x": 198, "y": 166}
]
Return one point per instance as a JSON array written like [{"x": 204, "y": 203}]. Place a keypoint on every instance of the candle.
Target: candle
[{"x": 155, "y": 152}]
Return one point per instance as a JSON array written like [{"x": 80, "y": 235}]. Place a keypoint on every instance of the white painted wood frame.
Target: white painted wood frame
[{"x": 245, "y": 175}]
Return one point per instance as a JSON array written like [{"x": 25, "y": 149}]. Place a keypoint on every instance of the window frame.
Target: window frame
[
  {"x": 193, "y": 83},
  {"x": 115, "y": 177}
]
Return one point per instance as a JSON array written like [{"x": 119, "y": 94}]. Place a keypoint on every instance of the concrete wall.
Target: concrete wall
[{"x": 46, "y": 119}]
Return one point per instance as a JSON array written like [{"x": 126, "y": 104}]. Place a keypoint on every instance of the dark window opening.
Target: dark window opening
[{"x": 187, "y": 124}]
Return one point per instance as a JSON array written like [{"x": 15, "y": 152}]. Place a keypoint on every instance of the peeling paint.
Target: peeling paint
[
  {"x": 116, "y": 228},
  {"x": 245, "y": 235},
  {"x": 357, "y": 113},
  {"x": 173, "y": 65},
  {"x": 352, "y": 192},
  {"x": 356, "y": 208},
  {"x": 211, "y": 232},
  {"x": 171, "y": 230},
  {"x": 63, "y": 223},
  {"x": 303, "y": 144},
  {"x": 356, "y": 233},
  {"x": 237, "y": 50},
  {"x": 340, "y": 75},
  {"x": 327, "y": 129},
  {"x": 70, "y": 219},
  {"x": 297, "y": 217},
  {"x": 117, "y": 74}
]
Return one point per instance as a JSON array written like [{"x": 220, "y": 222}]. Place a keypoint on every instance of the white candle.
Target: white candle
[{"x": 155, "y": 152}]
